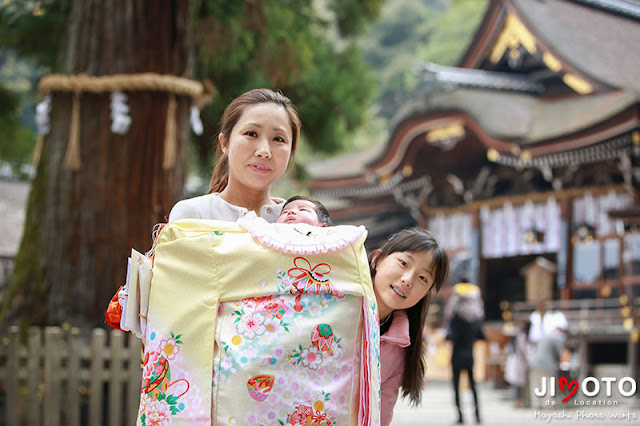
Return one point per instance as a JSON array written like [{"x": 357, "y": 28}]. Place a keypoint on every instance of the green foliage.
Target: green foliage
[
  {"x": 35, "y": 27},
  {"x": 455, "y": 32},
  {"x": 353, "y": 15},
  {"x": 333, "y": 98},
  {"x": 410, "y": 32},
  {"x": 289, "y": 45},
  {"x": 17, "y": 141},
  {"x": 307, "y": 49}
]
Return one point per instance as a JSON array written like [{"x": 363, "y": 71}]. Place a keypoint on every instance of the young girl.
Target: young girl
[
  {"x": 406, "y": 270},
  {"x": 259, "y": 133}
]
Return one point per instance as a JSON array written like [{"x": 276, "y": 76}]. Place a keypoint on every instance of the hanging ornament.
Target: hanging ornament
[
  {"x": 196, "y": 123},
  {"x": 43, "y": 110},
  {"x": 116, "y": 84},
  {"x": 120, "y": 119},
  {"x": 43, "y": 125}
]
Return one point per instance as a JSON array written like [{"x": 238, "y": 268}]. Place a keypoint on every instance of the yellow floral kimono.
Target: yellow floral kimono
[{"x": 253, "y": 323}]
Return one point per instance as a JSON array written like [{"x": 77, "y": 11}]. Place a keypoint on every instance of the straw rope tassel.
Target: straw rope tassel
[
  {"x": 37, "y": 152},
  {"x": 170, "y": 138},
  {"x": 72, "y": 157}
]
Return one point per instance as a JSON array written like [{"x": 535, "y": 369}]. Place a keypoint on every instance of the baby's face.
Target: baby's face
[{"x": 300, "y": 211}]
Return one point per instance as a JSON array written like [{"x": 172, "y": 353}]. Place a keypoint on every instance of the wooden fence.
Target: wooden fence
[{"x": 59, "y": 377}]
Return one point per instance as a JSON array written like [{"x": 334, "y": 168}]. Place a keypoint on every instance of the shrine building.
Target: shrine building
[{"x": 523, "y": 156}]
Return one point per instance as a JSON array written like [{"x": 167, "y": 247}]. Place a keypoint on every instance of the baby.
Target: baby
[{"x": 300, "y": 209}]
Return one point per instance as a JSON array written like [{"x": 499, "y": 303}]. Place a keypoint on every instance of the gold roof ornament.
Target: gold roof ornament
[
  {"x": 551, "y": 62},
  {"x": 493, "y": 155},
  {"x": 578, "y": 84},
  {"x": 446, "y": 136},
  {"x": 513, "y": 35},
  {"x": 525, "y": 156}
]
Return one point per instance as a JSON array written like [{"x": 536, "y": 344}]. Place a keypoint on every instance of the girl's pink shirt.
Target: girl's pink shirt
[{"x": 392, "y": 349}]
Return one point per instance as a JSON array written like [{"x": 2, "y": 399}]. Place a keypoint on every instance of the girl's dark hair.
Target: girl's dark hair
[
  {"x": 416, "y": 240},
  {"x": 321, "y": 210},
  {"x": 231, "y": 116}
]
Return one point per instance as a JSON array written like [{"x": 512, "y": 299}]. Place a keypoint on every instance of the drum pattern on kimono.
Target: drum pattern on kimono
[{"x": 166, "y": 384}]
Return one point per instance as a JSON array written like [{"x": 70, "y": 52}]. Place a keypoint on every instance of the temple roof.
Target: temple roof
[
  {"x": 597, "y": 38},
  {"x": 603, "y": 45},
  {"x": 576, "y": 85},
  {"x": 504, "y": 116}
]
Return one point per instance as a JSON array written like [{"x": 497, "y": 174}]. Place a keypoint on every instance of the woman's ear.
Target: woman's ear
[{"x": 223, "y": 143}]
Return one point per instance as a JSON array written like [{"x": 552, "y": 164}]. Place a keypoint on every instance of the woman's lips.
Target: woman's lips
[{"x": 260, "y": 168}]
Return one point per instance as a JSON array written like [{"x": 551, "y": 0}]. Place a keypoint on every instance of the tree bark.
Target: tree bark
[{"x": 82, "y": 224}]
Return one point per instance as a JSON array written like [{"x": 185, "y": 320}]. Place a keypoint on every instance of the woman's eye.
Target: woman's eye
[
  {"x": 251, "y": 133},
  {"x": 280, "y": 139},
  {"x": 402, "y": 262}
]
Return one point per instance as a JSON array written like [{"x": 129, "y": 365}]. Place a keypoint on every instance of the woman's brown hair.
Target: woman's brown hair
[
  {"x": 230, "y": 118},
  {"x": 415, "y": 240}
]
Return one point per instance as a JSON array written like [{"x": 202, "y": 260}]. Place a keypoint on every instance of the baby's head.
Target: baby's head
[{"x": 299, "y": 209}]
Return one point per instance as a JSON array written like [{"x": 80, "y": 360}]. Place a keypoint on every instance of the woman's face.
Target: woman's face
[
  {"x": 258, "y": 147},
  {"x": 402, "y": 279}
]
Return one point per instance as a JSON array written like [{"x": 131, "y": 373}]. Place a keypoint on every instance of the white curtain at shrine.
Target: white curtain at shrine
[
  {"x": 453, "y": 231},
  {"x": 597, "y": 258},
  {"x": 594, "y": 211},
  {"x": 504, "y": 228}
]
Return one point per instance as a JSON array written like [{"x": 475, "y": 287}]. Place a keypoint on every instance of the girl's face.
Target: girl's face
[
  {"x": 258, "y": 147},
  {"x": 300, "y": 211},
  {"x": 402, "y": 279}
]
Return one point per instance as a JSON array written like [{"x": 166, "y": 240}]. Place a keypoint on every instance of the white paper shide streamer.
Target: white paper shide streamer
[
  {"x": 196, "y": 123},
  {"x": 43, "y": 110},
  {"x": 120, "y": 120}
]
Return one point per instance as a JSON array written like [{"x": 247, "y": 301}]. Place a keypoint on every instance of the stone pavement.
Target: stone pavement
[{"x": 496, "y": 408}]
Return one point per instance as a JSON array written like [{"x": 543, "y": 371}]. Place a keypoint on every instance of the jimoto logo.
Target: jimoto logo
[{"x": 589, "y": 387}]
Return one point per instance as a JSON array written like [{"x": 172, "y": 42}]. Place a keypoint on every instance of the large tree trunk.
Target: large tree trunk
[{"x": 81, "y": 224}]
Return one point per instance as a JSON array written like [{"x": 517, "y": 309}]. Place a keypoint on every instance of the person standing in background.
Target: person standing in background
[
  {"x": 516, "y": 370},
  {"x": 544, "y": 321},
  {"x": 545, "y": 362},
  {"x": 465, "y": 313}
]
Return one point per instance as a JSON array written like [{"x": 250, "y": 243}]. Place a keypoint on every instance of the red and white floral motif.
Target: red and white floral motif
[
  {"x": 250, "y": 325},
  {"x": 158, "y": 413}
]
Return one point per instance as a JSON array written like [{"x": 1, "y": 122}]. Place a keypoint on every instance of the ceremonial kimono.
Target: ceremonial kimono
[{"x": 260, "y": 324}]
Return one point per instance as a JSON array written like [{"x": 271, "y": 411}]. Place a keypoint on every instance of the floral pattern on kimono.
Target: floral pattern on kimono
[{"x": 260, "y": 323}]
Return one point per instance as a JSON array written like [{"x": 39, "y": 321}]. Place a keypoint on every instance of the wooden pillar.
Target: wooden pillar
[
  {"x": 565, "y": 253},
  {"x": 583, "y": 370},
  {"x": 476, "y": 253},
  {"x": 632, "y": 353}
]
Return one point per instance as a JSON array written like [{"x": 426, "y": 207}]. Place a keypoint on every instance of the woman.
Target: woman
[{"x": 259, "y": 133}]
